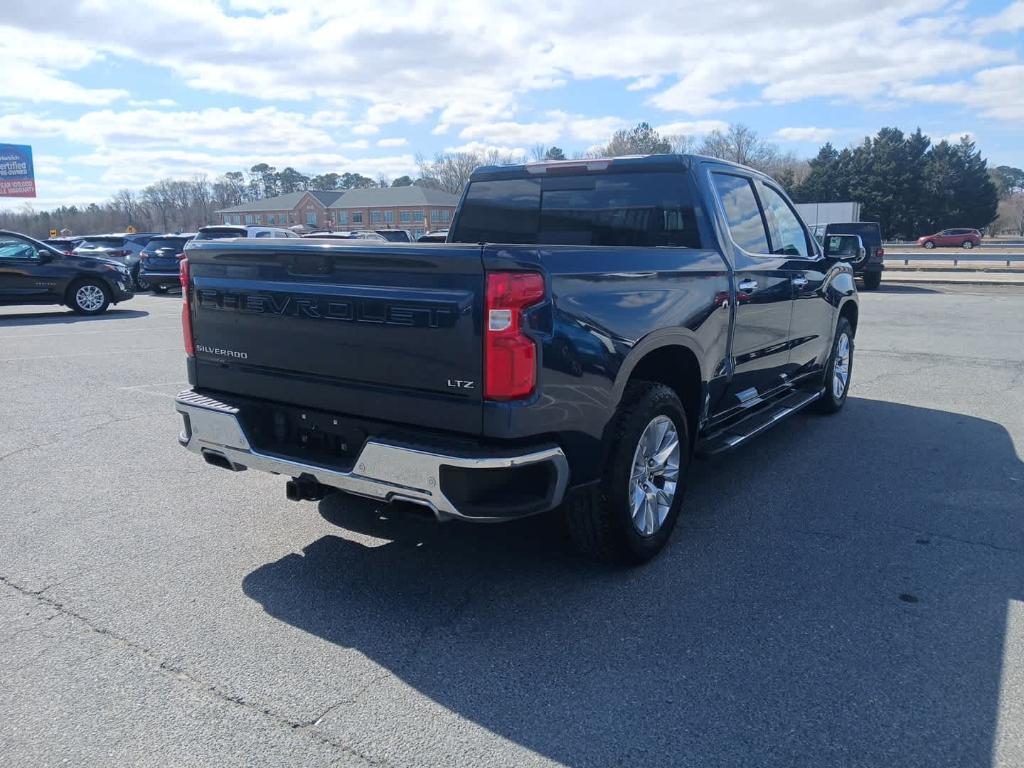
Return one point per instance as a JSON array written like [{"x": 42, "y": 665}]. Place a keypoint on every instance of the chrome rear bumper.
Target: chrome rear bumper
[{"x": 387, "y": 471}]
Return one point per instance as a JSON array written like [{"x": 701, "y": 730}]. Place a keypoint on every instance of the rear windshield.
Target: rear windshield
[
  {"x": 870, "y": 233},
  {"x": 630, "y": 209},
  {"x": 220, "y": 234},
  {"x": 102, "y": 242},
  {"x": 175, "y": 243}
]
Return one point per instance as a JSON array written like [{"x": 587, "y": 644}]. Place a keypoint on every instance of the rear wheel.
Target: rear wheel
[
  {"x": 838, "y": 370},
  {"x": 872, "y": 280},
  {"x": 968, "y": 244},
  {"x": 88, "y": 297},
  {"x": 630, "y": 515},
  {"x": 141, "y": 283}
]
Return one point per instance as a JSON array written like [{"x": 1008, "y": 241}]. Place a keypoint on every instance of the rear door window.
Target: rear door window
[
  {"x": 103, "y": 242},
  {"x": 743, "y": 214},
  {"x": 626, "y": 209},
  {"x": 169, "y": 243}
]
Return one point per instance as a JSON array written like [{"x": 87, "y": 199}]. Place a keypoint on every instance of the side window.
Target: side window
[
  {"x": 788, "y": 236},
  {"x": 742, "y": 212},
  {"x": 13, "y": 248},
  {"x": 264, "y": 233}
]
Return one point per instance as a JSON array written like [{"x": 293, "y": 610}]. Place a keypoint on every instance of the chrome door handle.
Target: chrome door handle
[
  {"x": 799, "y": 281},
  {"x": 747, "y": 285}
]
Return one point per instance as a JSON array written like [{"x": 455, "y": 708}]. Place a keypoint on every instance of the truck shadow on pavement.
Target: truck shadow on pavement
[
  {"x": 66, "y": 317},
  {"x": 837, "y": 593}
]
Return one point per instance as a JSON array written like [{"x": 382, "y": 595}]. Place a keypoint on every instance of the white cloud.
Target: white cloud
[
  {"x": 358, "y": 144},
  {"x": 644, "y": 83},
  {"x": 807, "y": 134},
  {"x": 33, "y": 67},
  {"x": 952, "y": 138},
  {"x": 513, "y": 133},
  {"x": 994, "y": 92},
  {"x": 691, "y": 127},
  {"x": 365, "y": 129},
  {"x": 152, "y": 103},
  {"x": 1010, "y": 19},
  {"x": 483, "y": 148},
  {"x": 395, "y": 142}
]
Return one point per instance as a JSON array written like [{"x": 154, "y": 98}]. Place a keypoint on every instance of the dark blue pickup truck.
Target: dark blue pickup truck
[{"x": 588, "y": 327}]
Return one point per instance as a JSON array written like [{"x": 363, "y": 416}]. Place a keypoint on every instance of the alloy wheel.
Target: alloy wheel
[
  {"x": 89, "y": 298},
  {"x": 841, "y": 368},
  {"x": 654, "y": 476}
]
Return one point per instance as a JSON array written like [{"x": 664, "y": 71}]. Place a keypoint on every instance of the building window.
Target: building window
[
  {"x": 357, "y": 217},
  {"x": 389, "y": 218},
  {"x": 375, "y": 217},
  {"x": 405, "y": 217},
  {"x": 417, "y": 216},
  {"x": 343, "y": 218},
  {"x": 435, "y": 215},
  {"x": 311, "y": 218},
  {"x": 270, "y": 219},
  {"x": 250, "y": 219}
]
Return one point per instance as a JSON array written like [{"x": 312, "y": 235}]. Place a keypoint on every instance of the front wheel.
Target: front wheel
[
  {"x": 968, "y": 244},
  {"x": 630, "y": 515},
  {"x": 89, "y": 297},
  {"x": 872, "y": 280},
  {"x": 838, "y": 369},
  {"x": 929, "y": 245}
]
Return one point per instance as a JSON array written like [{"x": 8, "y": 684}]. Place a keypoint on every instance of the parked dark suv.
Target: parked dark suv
[
  {"x": 159, "y": 261},
  {"x": 122, "y": 247},
  {"x": 951, "y": 238},
  {"x": 32, "y": 272},
  {"x": 871, "y": 266}
]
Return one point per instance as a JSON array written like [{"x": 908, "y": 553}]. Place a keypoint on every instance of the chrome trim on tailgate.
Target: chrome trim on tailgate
[{"x": 384, "y": 470}]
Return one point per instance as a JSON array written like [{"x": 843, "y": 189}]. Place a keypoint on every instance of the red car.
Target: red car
[{"x": 951, "y": 238}]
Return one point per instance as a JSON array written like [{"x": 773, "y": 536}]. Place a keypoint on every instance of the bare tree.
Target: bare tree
[{"x": 127, "y": 203}]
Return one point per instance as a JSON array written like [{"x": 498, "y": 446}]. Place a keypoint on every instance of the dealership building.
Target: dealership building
[{"x": 417, "y": 209}]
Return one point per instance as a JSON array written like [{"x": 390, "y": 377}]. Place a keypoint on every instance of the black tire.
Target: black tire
[
  {"x": 160, "y": 289},
  {"x": 141, "y": 284},
  {"x": 829, "y": 402},
  {"x": 872, "y": 280},
  {"x": 929, "y": 245},
  {"x": 599, "y": 519},
  {"x": 83, "y": 298},
  {"x": 968, "y": 244}
]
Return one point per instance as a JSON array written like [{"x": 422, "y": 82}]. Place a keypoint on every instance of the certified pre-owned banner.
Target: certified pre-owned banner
[{"x": 17, "y": 177}]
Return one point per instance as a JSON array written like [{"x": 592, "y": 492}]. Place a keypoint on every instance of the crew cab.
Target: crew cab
[
  {"x": 32, "y": 272},
  {"x": 587, "y": 328}
]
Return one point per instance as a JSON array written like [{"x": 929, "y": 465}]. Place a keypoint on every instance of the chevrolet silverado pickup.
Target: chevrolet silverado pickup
[{"x": 587, "y": 328}]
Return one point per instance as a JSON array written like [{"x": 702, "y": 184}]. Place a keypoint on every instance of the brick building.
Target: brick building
[{"x": 417, "y": 209}]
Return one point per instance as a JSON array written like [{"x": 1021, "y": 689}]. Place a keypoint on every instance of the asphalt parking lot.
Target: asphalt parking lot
[{"x": 844, "y": 591}]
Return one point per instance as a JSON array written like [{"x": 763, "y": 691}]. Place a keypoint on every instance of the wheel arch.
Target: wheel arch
[{"x": 671, "y": 359}]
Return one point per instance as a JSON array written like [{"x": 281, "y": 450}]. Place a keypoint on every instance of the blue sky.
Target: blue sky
[{"x": 115, "y": 94}]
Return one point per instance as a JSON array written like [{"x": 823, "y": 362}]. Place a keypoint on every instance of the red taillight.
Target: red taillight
[
  {"x": 510, "y": 356},
  {"x": 186, "y": 309}
]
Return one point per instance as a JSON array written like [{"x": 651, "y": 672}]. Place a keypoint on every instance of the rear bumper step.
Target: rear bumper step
[{"x": 452, "y": 485}]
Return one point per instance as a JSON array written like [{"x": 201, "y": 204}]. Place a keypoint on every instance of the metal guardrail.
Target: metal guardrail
[
  {"x": 956, "y": 256},
  {"x": 985, "y": 244}
]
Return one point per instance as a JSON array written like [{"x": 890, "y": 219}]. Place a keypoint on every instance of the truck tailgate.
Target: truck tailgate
[{"x": 389, "y": 332}]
